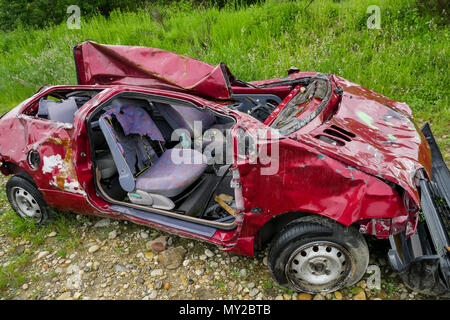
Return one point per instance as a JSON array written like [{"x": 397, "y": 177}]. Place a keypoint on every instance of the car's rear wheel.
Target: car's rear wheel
[
  {"x": 26, "y": 200},
  {"x": 314, "y": 254}
]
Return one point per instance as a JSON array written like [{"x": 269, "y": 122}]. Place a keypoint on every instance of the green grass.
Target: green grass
[
  {"x": 407, "y": 59},
  {"x": 268, "y": 284},
  {"x": 12, "y": 275}
]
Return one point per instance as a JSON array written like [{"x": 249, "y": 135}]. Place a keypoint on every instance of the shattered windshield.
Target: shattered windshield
[{"x": 304, "y": 106}]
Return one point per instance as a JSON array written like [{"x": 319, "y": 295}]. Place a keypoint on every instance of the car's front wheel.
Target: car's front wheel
[
  {"x": 26, "y": 200},
  {"x": 314, "y": 254}
]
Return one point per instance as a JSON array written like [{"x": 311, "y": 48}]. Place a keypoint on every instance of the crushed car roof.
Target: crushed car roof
[{"x": 150, "y": 67}]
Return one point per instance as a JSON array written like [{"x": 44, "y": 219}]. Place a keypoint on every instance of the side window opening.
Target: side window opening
[
  {"x": 61, "y": 111},
  {"x": 60, "y": 105}
]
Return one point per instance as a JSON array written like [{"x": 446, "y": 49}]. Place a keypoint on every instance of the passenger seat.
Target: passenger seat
[{"x": 142, "y": 173}]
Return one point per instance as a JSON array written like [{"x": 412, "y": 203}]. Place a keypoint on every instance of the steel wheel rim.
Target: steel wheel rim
[
  {"x": 26, "y": 205},
  {"x": 321, "y": 264}
]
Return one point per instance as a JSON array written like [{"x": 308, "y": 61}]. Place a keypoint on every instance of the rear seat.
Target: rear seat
[{"x": 62, "y": 111}]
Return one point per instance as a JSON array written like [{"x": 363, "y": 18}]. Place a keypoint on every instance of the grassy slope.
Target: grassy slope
[{"x": 406, "y": 60}]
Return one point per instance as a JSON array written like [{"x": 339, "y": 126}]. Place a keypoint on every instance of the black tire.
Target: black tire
[
  {"x": 18, "y": 188},
  {"x": 314, "y": 254}
]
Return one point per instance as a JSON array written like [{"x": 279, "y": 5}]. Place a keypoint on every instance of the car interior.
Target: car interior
[{"x": 141, "y": 164}]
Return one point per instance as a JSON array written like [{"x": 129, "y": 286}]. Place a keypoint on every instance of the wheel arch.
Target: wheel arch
[
  {"x": 11, "y": 168},
  {"x": 267, "y": 232}
]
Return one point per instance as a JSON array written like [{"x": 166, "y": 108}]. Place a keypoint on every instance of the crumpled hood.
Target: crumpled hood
[
  {"x": 374, "y": 134},
  {"x": 150, "y": 67}
]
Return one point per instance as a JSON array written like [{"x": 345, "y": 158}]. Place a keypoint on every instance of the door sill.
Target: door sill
[{"x": 214, "y": 224}]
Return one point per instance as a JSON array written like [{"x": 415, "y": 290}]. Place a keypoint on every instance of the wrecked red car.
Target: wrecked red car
[{"x": 308, "y": 163}]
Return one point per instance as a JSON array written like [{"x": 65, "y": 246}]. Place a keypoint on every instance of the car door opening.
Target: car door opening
[{"x": 139, "y": 165}]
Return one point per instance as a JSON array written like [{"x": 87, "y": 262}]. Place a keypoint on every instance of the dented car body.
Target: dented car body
[{"x": 321, "y": 146}]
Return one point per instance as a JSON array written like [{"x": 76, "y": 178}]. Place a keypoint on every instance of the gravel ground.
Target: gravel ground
[{"x": 77, "y": 257}]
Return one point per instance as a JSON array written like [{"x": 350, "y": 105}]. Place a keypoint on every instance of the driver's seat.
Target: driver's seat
[{"x": 146, "y": 171}]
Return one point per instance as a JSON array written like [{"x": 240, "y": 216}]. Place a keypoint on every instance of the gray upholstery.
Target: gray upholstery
[
  {"x": 138, "y": 165},
  {"x": 184, "y": 117},
  {"x": 168, "y": 177},
  {"x": 62, "y": 111}
]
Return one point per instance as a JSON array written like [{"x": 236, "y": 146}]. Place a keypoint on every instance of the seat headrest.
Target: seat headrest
[{"x": 62, "y": 111}]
